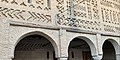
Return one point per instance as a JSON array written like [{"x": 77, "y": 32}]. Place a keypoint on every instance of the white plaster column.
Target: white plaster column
[
  {"x": 5, "y": 44},
  {"x": 6, "y": 52},
  {"x": 99, "y": 44},
  {"x": 97, "y": 57},
  {"x": 117, "y": 56},
  {"x": 63, "y": 43},
  {"x": 62, "y": 58}
]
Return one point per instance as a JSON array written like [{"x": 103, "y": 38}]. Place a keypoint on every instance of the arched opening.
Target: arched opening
[
  {"x": 34, "y": 47},
  {"x": 79, "y": 50},
  {"x": 108, "y": 51}
]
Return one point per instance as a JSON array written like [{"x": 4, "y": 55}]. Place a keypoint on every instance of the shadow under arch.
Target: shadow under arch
[
  {"x": 115, "y": 45},
  {"x": 89, "y": 42},
  {"x": 52, "y": 41}
]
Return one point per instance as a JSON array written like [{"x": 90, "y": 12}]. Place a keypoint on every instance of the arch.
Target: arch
[
  {"x": 89, "y": 42},
  {"x": 41, "y": 34},
  {"x": 115, "y": 44}
]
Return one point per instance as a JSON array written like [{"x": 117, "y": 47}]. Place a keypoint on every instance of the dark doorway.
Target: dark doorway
[
  {"x": 86, "y": 55},
  {"x": 79, "y": 50},
  {"x": 108, "y": 51}
]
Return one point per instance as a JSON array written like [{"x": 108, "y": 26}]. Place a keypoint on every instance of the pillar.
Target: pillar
[
  {"x": 62, "y": 58},
  {"x": 63, "y": 44},
  {"x": 5, "y": 46},
  {"x": 99, "y": 44},
  {"x": 117, "y": 56},
  {"x": 97, "y": 57}
]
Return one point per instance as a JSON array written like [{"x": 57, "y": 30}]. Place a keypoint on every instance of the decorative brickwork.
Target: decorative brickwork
[
  {"x": 110, "y": 16},
  {"x": 24, "y": 15},
  {"x": 88, "y": 15},
  {"x": 82, "y": 9},
  {"x": 38, "y": 4},
  {"x": 103, "y": 15}
]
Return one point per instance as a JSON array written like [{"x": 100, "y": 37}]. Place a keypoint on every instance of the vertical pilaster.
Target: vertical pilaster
[
  {"x": 99, "y": 48},
  {"x": 5, "y": 42},
  {"x": 99, "y": 43},
  {"x": 63, "y": 43}
]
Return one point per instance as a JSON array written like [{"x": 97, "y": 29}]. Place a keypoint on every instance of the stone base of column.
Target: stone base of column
[
  {"x": 117, "y": 56},
  {"x": 97, "y": 57},
  {"x": 62, "y": 58}
]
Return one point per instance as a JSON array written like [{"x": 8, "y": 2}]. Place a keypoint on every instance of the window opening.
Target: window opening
[
  {"x": 72, "y": 53},
  {"x": 29, "y": 1},
  {"x": 47, "y": 55}
]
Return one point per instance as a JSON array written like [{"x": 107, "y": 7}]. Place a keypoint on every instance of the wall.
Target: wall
[
  {"x": 96, "y": 20},
  {"x": 90, "y": 15}
]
